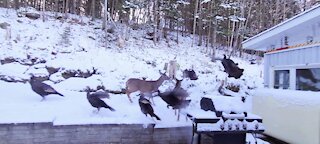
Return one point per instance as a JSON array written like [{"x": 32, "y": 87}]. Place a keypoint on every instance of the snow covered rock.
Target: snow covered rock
[
  {"x": 28, "y": 12},
  {"x": 4, "y": 25}
]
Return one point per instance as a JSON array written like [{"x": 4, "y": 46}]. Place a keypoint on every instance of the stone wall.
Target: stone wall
[{"x": 33, "y": 133}]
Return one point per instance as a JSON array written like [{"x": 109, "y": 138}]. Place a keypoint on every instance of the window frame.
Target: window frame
[
  {"x": 292, "y": 73},
  {"x": 303, "y": 69}
]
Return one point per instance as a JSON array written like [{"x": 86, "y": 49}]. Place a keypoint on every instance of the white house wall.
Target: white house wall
[
  {"x": 294, "y": 58},
  {"x": 292, "y": 116}
]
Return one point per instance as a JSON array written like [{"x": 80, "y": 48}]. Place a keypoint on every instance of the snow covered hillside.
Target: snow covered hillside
[{"x": 78, "y": 45}]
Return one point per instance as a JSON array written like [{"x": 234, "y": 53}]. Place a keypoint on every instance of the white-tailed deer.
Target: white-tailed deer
[{"x": 145, "y": 87}]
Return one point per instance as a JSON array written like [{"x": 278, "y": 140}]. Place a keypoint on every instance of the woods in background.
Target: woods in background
[{"x": 214, "y": 23}]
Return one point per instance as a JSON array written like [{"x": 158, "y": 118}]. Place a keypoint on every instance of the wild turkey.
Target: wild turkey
[
  {"x": 175, "y": 99},
  {"x": 146, "y": 107},
  {"x": 207, "y": 104},
  {"x": 231, "y": 68},
  {"x": 101, "y": 94},
  {"x": 96, "y": 102},
  {"x": 190, "y": 74},
  {"x": 41, "y": 88}
]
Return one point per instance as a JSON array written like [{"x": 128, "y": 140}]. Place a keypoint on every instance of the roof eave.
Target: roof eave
[{"x": 283, "y": 26}]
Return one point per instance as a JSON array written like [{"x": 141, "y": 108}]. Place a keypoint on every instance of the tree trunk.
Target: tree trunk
[
  {"x": 214, "y": 41},
  {"x": 43, "y": 11},
  {"x": 209, "y": 27},
  {"x": 72, "y": 7},
  {"x": 155, "y": 21},
  {"x": 6, "y": 3},
  {"x": 200, "y": 28},
  {"x": 304, "y": 5},
  {"x": 231, "y": 38},
  {"x": 63, "y": 6},
  {"x": 78, "y": 5},
  {"x": 93, "y": 9},
  {"x": 177, "y": 35},
  {"x": 57, "y": 6},
  {"x": 214, "y": 35},
  {"x": 16, "y": 4},
  {"x": 260, "y": 15},
  {"x": 105, "y": 20},
  {"x": 249, "y": 14},
  {"x": 228, "y": 28},
  {"x": 112, "y": 8},
  {"x": 195, "y": 15},
  {"x": 33, "y": 3},
  {"x": 284, "y": 17},
  {"x": 105, "y": 16},
  {"x": 241, "y": 27},
  {"x": 66, "y": 8}
]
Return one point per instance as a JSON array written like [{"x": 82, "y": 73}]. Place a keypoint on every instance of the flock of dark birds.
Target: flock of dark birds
[{"x": 175, "y": 98}]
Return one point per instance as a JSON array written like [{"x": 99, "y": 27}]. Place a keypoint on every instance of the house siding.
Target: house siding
[{"x": 299, "y": 57}]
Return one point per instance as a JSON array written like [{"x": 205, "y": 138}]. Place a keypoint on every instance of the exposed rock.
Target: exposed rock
[
  {"x": 19, "y": 21},
  {"x": 32, "y": 61},
  {"x": 28, "y": 12},
  {"x": 135, "y": 26},
  {"x": 42, "y": 78},
  {"x": 111, "y": 30},
  {"x": 12, "y": 79},
  {"x": 4, "y": 25},
  {"x": 191, "y": 74},
  {"x": 78, "y": 73},
  {"x": 8, "y": 60},
  {"x": 52, "y": 70},
  {"x": 26, "y": 62},
  {"x": 59, "y": 17},
  {"x": 234, "y": 88},
  {"x": 221, "y": 89},
  {"x": 33, "y": 15}
]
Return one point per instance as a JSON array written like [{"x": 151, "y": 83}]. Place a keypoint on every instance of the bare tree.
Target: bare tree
[
  {"x": 16, "y": 4},
  {"x": 105, "y": 15},
  {"x": 43, "y": 5},
  {"x": 155, "y": 21},
  {"x": 195, "y": 16},
  {"x": 66, "y": 8},
  {"x": 93, "y": 9},
  {"x": 200, "y": 24}
]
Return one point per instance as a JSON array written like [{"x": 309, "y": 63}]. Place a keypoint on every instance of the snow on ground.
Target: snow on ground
[{"x": 139, "y": 58}]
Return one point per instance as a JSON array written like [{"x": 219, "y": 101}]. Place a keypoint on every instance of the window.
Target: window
[
  {"x": 308, "y": 79},
  {"x": 281, "y": 79}
]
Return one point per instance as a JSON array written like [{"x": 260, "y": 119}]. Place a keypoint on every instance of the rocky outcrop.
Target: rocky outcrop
[{"x": 28, "y": 12}]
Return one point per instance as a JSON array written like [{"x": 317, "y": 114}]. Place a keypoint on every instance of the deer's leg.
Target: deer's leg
[
  {"x": 178, "y": 115},
  {"x": 186, "y": 118},
  {"x": 152, "y": 100},
  {"x": 128, "y": 94},
  {"x": 150, "y": 97}
]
